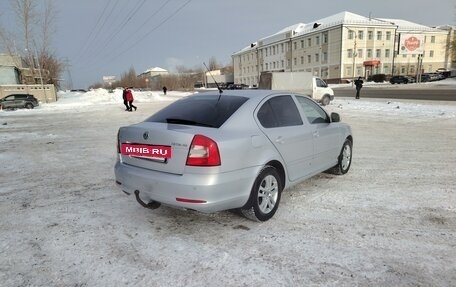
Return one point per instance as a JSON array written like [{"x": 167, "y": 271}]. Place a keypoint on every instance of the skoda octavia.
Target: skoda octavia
[{"x": 233, "y": 150}]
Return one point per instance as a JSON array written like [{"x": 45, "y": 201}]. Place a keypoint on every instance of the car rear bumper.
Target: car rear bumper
[{"x": 220, "y": 191}]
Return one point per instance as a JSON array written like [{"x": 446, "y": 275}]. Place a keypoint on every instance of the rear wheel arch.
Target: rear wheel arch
[
  {"x": 265, "y": 194},
  {"x": 280, "y": 169}
]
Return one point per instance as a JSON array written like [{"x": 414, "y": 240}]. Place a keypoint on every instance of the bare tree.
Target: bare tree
[
  {"x": 24, "y": 10},
  {"x": 213, "y": 64},
  {"x": 33, "y": 39}
]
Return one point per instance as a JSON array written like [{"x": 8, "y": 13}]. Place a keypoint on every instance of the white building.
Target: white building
[{"x": 343, "y": 46}]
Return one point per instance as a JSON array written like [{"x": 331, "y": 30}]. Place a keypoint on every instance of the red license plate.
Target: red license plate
[{"x": 149, "y": 151}]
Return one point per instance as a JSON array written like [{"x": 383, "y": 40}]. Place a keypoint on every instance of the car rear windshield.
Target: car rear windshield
[{"x": 199, "y": 110}]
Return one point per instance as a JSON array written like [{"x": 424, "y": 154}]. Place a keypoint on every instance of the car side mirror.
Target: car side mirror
[{"x": 335, "y": 118}]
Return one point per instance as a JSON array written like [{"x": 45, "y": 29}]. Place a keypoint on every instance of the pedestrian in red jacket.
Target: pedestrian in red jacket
[{"x": 130, "y": 100}]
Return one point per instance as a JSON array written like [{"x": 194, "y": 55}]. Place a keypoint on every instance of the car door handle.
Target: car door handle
[
  {"x": 279, "y": 140},
  {"x": 315, "y": 134}
]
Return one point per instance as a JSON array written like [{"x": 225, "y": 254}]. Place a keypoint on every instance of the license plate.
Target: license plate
[{"x": 146, "y": 151}]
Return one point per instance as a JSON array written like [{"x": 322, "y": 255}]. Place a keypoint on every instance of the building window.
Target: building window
[
  {"x": 281, "y": 45},
  {"x": 432, "y": 39},
  {"x": 350, "y": 35},
  {"x": 295, "y": 62},
  {"x": 379, "y": 35},
  {"x": 266, "y": 50},
  {"x": 325, "y": 57},
  {"x": 412, "y": 69},
  {"x": 302, "y": 60},
  {"x": 283, "y": 63},
  {"x": 309, "y": 42},
  {"x": 288, "y": 62},
  {"x": 349, "y": 53},
  {"x": 388, "y": 35},
  {"x": 325, "y": 38},
  {"x": 295, "y": 45},
  {"x": 378, "y": 53},
  {"x": 402, "y": 70},
  {"x": 369, "y": 53},
  {"x": 309, "y": 59},
  {"x": 267, "y": 66},
  {"x": 273, "y": 50},
  {"x": 431, "y": 53},
  {"x": 386, "y": 69},
  {"x": 370, "y": 35},
  {"x": 349, "y": 72},
  {"x": 317, "y": 57},
  {"x": 387, "y": 53},
  {"x": 360, "y": 35},
  {"x": 360, "y": 53},
  {"x": 317, "y": 40},
  {"x": 302, "y": 44}
]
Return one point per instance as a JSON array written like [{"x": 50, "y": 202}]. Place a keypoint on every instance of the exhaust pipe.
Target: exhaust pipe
[{"x": 151, "y": 205}]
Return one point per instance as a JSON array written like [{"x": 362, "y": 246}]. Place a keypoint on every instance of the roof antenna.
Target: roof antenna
[{"x": 218, "y": 87}]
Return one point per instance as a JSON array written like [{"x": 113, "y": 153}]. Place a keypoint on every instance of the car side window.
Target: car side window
[
  {"x": 321, "y": 83},
  {"x": 313, "y": 112},
  {"x": 280, "y": 111}
]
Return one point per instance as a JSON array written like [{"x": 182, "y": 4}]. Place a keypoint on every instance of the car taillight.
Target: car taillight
[{"x": 203, "y": 152}]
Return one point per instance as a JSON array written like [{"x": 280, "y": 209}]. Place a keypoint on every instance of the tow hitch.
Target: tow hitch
[{"x": 152, "y": 204}]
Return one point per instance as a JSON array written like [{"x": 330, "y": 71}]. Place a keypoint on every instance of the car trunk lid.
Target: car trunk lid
[{"x": 156, "y": 146}]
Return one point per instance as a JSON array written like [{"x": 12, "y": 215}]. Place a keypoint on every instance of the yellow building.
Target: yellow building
[{"x": 342, "y": 47}]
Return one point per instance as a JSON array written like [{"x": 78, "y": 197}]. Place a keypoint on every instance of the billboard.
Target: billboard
[{"x": 411, "y": 44}]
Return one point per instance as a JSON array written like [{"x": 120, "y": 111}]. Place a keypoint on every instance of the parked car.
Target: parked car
[
  {"x": 425, "y": 78},
  {"x": 401, "y": 80},
  {"x": 411, "y": 79},
  {"x": 17, "y": 101},
  {"x": 233, "y": 150}
]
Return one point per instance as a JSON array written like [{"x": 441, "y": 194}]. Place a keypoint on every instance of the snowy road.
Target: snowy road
[{"x": 391, "y": 221}]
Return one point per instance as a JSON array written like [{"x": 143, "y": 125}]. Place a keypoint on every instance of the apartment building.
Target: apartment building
[{"x": 345, "y": 46}]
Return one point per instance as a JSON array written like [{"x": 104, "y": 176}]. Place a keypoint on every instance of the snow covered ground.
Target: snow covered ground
[{"x": 391, "y": 221}]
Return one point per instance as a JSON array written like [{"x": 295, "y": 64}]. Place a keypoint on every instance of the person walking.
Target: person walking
[
  {"x": 359, "y": 85},
  {"x": 130, "y": 100},
  {"x": 164, "y": 90},
  {"x": 124, "y": 96}
]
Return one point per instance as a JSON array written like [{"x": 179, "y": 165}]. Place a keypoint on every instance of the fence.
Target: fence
[{"x": 44, "y": 93}]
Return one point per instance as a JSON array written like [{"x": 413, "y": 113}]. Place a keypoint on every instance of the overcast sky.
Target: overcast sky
[{"x": 107, "y": 37}]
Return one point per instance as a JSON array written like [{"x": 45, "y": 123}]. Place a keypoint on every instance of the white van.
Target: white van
[{"x": 302, "y": 82}]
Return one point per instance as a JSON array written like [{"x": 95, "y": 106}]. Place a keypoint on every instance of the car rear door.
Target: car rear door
[{"x": 279, "y": 119}]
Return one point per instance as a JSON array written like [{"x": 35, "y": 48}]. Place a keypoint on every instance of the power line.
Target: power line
[
  {"x": 153, "y": 29},
  {"x": 84, "y": 47}
]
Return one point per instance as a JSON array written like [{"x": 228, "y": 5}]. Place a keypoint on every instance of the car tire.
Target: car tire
[
  {"x": 344, "y": 159},
  {"x": 325, "y": 101},
  {"x": 28, "y": 106},
  {"x": 264, "y": 196}
]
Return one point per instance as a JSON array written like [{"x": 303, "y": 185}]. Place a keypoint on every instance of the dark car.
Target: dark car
[
  {"x": 400, "y": 80},
  {"x": 425, "y": 78},
  {"x": 18, "y": 101}
]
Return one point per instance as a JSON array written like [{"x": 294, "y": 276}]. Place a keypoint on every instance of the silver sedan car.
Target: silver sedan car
[{"x": 233, "y": 150}]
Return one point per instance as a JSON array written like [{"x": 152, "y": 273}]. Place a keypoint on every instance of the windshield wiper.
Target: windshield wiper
[{"x": 187, "y": 122}]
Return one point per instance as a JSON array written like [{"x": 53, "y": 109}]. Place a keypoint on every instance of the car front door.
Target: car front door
[
  {"x": 8, "y": 102},
  {"x": 325, "y": 135},
  {"x": 281, "y": 121}
]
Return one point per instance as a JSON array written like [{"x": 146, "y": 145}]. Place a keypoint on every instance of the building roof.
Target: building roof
[
  {"x": 156, "y": 70},
  {"x": 342, "y": 18}
]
